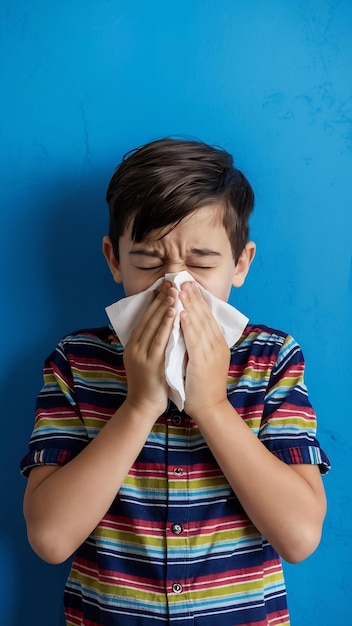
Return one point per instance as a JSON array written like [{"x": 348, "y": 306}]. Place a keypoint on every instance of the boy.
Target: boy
[{"x": 176, "y": 517}]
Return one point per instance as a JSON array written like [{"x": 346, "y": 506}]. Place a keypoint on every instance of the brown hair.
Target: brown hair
[{"x": 159, "y": 184}]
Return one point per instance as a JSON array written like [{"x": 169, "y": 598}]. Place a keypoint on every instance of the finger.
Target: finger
[
  {"x": 156, "y": 300},
  {"x": 159, "y": 339},
  {"x": 198, "y": 320},
  {"x": 162, "y": 308}
]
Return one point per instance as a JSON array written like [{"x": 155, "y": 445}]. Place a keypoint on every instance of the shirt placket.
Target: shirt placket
[{"x": 177, "y": 541}]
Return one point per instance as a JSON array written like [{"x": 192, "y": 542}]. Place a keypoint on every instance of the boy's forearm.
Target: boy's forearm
[
  {"x": 286, "y": 503},
  {"x": 63, "y": 509}
]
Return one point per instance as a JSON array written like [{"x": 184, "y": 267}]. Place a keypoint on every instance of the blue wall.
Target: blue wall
[{"x": 83, "y": 82}]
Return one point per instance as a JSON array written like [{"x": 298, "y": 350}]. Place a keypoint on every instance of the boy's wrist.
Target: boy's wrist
[
  {"x": 203, "y": 413},
  {"x": 145, "y": 411}
]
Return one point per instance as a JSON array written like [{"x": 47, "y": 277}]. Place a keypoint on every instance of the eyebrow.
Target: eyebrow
[
  {"x": 204, "y": 252},
  {"x": 156, "y": 254}
]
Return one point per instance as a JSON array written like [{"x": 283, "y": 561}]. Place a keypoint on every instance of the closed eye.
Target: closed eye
[{"x": 155, "y": 267}]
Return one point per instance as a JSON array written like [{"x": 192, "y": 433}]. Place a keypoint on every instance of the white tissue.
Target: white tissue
[{"x": 125, "y": 314}]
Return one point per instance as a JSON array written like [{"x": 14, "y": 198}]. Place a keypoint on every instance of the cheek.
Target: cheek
[
  {"x": 219, "y": 288},
  {"x": 131, "y": 288},
  {"x": 133, "y": 284}
]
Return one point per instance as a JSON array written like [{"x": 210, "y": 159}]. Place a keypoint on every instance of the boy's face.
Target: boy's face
[{"x": 198, "y": 244}]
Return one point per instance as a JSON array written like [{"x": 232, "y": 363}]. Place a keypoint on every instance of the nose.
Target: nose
[{"x": 173, "y": 267}]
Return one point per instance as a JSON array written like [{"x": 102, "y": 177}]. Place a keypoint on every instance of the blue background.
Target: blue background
[{"x": 82, "y": 83}]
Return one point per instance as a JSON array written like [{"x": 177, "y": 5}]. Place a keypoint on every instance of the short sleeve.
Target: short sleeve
[
  {"x": 59, "y": 432},
  {"x": 289, "y": 425}
]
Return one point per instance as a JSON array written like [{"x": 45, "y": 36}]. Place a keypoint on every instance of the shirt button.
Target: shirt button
[
  {"x": 177, "y": 529},
  {"x": 176, "y": 419},
  {"x": 177, "y": 588},
  {"x": 178, "y": 471}
]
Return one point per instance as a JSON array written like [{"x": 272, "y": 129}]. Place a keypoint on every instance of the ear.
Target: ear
[
  {"x": 243, "y": 264},
  {"x": 111, "y": 259}
]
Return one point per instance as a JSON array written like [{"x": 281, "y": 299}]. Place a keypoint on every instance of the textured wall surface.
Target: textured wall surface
[{"x": 82, "y": 83}]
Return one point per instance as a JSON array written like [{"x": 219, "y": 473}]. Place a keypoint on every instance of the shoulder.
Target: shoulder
[
  {"x": 264, "y": 342},
  {"x": 87, "y": 343},
  {"x": 102, "y": 335},
  {"x": 261, "y": 335}
]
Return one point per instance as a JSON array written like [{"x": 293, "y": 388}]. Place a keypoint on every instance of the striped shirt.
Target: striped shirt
[{"x": 176, "y": 546}]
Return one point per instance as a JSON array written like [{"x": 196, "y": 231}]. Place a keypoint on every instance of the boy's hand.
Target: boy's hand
[
  {"x": 144, "y": 355},
  {"x": 208, "y": 354}
]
